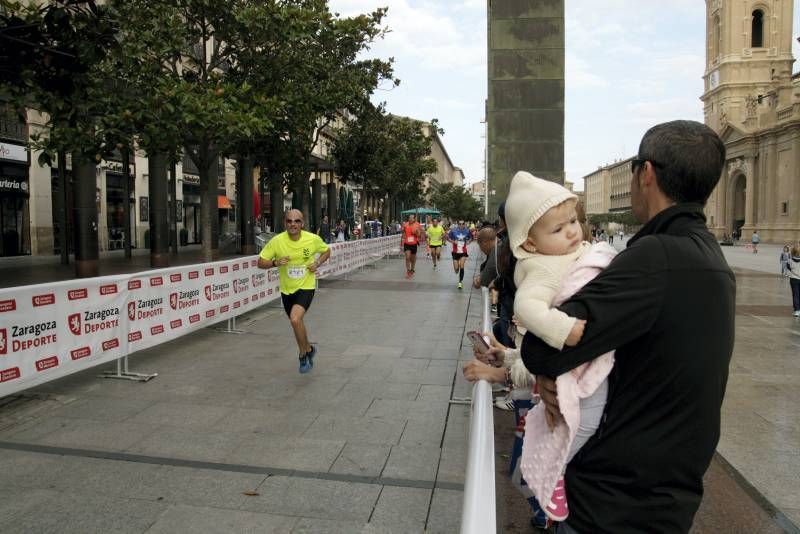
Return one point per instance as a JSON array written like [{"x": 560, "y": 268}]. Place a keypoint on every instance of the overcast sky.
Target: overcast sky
[{"x": 629, "y": 65}]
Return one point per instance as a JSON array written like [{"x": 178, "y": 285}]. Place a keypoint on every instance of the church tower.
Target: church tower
[
  {"x": 752, "y": 100},
  {"x": 748, "y": 60}
]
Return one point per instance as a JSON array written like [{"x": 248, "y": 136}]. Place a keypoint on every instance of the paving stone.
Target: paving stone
[
  {"x": 307, "y": 525},
  {"x": 265, "y": 422},
  {"x": 362, "y": 459},
  {"x": 323, "y": 499},
  {"x": 416, "y": 463},
  {"x": 287, "y": 453},
  {"x": 107, "y": 410},
  {"x": 183, "y": 518},
  {"x": 357, "y": 429},
  {"x": 402, "y": 509},
  {"x": 379, "y": 350},
  {"x": 75, "y": 513},
  {"x": 85, "y": 433},
  {"x": 189, "y": 444},
  {"x": 180, "y": 415},
  {"x": 445, "y": 511},
  {"x": 394, "y": 409},
  {"x": 432, "y": 393}
]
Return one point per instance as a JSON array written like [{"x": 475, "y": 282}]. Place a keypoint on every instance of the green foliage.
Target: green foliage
[
  {"x": 455, "y": 202},
  {"x": 385, "y": 153}
]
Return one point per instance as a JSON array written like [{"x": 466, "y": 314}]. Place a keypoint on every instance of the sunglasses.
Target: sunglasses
[
  {"x": 295, "y": 221},
  {"x": 638, "y": 162}
]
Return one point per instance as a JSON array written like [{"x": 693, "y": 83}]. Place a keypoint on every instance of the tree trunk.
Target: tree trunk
[
  {"x": 332, "y": 198},
  {"x": 159, "y": 227},
  {"x": 174, "y": 216},
  {"x": 84, "y": 217},
  {"x": 209, "y": 211},
  {"x": 305, "y": 202},
  {"x": 244, "y": 199},
  {"x": 63, "y": 216},
  {"x": 126, "y": 206},
  {"x": 276, "y": 203},
  {"x": 316, "y": 203}
]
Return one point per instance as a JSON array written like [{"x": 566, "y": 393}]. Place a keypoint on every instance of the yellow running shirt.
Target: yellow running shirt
[
  {"x": 295, "y": 275},
  {"x": 435, "y": 234}
]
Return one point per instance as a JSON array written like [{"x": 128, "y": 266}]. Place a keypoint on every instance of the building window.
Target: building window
[
  {"x": 784, "y": 208},
  {"x": 757, "y": 33},
  {"x": 716, "y": 37}
]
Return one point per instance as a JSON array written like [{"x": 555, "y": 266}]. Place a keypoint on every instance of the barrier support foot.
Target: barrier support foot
[{"x": 122, "y": 373}]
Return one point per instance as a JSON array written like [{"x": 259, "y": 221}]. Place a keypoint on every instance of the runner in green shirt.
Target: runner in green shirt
[
  {"x": 294, "y": 252},
  {"x": 435, "y": 241}
]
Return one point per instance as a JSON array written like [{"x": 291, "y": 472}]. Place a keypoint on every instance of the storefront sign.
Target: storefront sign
[
  {"x": 13, "y": 184},
  {"x": 191, "y": 179},
  {"x": 115, "y": 166},
  {"x": 13, "y": 152}
]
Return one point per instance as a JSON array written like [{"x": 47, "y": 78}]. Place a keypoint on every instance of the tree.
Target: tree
[
  {"x": 50, "y": 62},
  {"x": 385, "y": 153},
  {"x": 189, "y": 61},
  {"x": 455, "y": 202},
  {"x": 319, "y": 79}
]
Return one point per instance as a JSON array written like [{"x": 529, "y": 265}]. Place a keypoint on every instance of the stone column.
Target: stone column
[{"x": 525, "y": 107}]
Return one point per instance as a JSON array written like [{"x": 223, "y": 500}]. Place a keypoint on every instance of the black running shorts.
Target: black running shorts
[
  {"x": 412, "y": 248},
  {"x": 458, "y": 255},
  {"x": 301, "y": 297}
]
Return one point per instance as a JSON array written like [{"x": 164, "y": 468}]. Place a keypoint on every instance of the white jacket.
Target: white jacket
[{"x": 538, "y": 278}]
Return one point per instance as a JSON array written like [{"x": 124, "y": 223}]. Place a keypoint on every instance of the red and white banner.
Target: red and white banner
[{"x": 50, "y": 330}]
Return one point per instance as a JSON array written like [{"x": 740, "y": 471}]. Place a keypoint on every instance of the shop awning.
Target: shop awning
[{"x": 223, "y": 202}]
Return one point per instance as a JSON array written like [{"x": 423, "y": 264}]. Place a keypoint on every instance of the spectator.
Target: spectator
[
  {"x": 784, "y": 260},
  {"x": 504, "y": 283},
  {"x": 794, "y": 278},
  {"x": 324, "y": 230},
  {"x": 486, "y": 242},
  {"x": 755, "y": 240},
  {"x": 643, "y": 469},
  {"x": 342, "y": 232}
]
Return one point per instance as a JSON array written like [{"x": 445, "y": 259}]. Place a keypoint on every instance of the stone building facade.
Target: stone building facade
[
  {"x": 608, "y": 189},
  {"x": 752, "y": 100}
]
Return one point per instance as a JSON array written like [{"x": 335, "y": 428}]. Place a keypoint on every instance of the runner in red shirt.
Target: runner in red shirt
[{"x": 410, "y": 235}]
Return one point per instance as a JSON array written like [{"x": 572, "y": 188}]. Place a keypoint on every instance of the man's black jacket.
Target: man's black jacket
[{"x": 666, "y": 304}]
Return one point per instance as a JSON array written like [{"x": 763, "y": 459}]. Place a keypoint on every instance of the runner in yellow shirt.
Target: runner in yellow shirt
[
  {"x": 294, "y": 253},
  {"x": 435, "y": 235}
]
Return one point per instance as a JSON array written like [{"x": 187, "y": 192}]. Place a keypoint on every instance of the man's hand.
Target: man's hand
[
  {"x": 313, "y": 267},
  {"x": 576, "y": 333},
  {"x": 549, "y": 394},
  {"x": 476, "y": 282},
  {"x": 282, "y": 261}
]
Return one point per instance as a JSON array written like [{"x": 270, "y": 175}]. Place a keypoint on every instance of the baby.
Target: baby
[{"x": 553, "y": 262}]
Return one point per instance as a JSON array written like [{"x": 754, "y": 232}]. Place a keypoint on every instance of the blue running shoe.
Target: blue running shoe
[
  {"x": 305, "y": 365},
  {"x": 310, "y": 355}
]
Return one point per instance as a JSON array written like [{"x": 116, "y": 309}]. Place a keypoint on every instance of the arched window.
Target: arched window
[
  {"x": 757, "y": 33},
  {"x": 716, "y": 38}
]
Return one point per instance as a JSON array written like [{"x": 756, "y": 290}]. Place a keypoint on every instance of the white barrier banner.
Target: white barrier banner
[{"x": 50, "y": 330}]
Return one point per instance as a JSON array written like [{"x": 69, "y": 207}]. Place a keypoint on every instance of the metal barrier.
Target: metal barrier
[{"x": 478, "y": 515}]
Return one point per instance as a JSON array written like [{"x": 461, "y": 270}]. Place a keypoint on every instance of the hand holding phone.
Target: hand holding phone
[{"x": 478, "y": 341}]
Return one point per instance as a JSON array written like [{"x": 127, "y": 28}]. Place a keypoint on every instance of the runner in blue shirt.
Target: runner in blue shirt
[{"x": 460, "y": 237}]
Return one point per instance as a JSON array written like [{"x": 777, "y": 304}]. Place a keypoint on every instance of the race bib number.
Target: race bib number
[
  {"x": 460, "y": 243},
  {"x": 410, "y": 239},
  {"x": 297, "y": 272}
]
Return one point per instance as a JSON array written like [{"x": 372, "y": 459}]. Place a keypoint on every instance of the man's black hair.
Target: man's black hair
[{"x": 687, "y": 156}]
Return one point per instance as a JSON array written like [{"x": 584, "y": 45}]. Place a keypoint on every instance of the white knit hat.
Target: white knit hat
[{"x": 528, "y": 199}]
